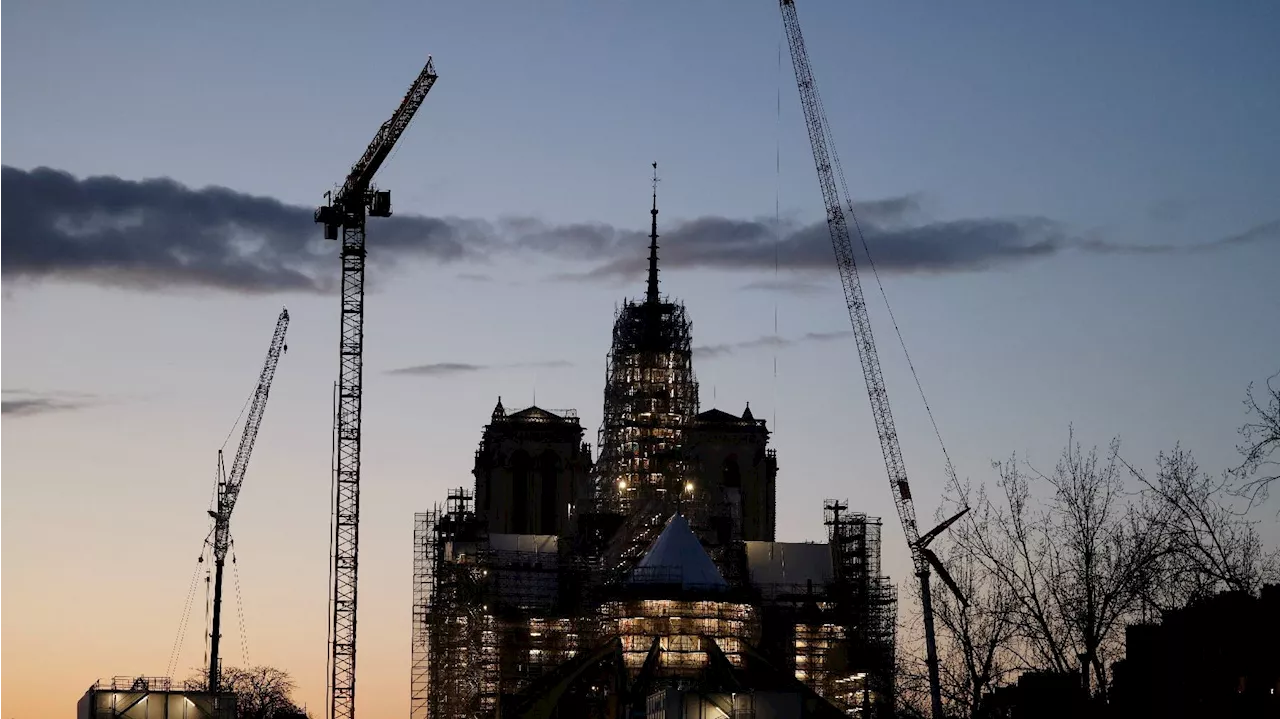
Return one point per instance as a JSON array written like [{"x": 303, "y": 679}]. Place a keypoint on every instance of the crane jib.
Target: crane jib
[
  {"x": 388, "y": 134},
  {"x": 229, "y": 490},
  {"x": 827, "y": 164}
]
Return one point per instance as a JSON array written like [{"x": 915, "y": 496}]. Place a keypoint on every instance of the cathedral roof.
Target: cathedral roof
[
  {"x": 677, "y": 556},
  {"x": 727, "y": 421},
  {"x": 538, "y": 414},
  {"x": 717, "y": 415}
]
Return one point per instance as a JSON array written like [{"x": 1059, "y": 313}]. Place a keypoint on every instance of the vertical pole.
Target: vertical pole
[
  {"x": 216, "y": 635},
  {"x": 931, "y": 646}
]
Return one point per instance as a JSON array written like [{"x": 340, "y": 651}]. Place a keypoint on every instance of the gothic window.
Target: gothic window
[
  {"x": 550, "y": 500},
  {"x": 520, "y": 479},
  {"x": 730, "y": 475}
]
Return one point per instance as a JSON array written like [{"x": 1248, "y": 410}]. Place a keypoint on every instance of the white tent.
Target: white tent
[{"x": 677, "y": 556}]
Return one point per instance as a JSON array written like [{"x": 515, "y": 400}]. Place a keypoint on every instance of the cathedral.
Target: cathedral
[{"x": 646, "y": 580}]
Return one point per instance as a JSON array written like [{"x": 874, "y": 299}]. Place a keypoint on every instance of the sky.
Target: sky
[{"x": 1073, "y": 208}]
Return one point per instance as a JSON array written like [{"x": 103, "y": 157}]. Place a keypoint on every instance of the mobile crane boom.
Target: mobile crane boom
[
  {"x": 827, "y": 164},
  {"x": 347, "y": 210},
  {"x": 229, "y": 487}
]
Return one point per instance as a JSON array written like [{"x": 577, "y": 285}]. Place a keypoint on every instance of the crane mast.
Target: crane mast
[
  {"x": 347, "y": 211},
  {"x": 827, "y": 164},
  {"x": 229, "y": 488}
]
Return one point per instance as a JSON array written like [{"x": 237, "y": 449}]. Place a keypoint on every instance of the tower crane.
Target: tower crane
[
  {"x": 828, "y": 166},
  {"x": 346, "y": 211},
  {"x": 229, "y": 488}
]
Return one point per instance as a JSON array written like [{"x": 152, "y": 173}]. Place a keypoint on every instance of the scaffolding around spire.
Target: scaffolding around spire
[{"x": 651, "y": 295}]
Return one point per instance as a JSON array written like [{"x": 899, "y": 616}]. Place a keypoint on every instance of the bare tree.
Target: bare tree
[
  {"x": 1261, "y": 434},
  {"x": 975, "y": 655},
  {"x": 1209, "y": 546},
  {"x": 1073, "y": 570},
  {"x": 911, "y": 675},
  {"x": 1056, "y": 565},
  {"x": 262, "y": 692}
]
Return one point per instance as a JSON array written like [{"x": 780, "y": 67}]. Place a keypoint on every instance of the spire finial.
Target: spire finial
[{"x": 651, "y": 296}]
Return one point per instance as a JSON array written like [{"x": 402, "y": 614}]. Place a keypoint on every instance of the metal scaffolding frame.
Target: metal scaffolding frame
[
  {"x": 650, "y": 398},
  {"x": 424, "y": 529},
  {"x": 501, "y": 611},
  {"x": 683, "y": 627}
]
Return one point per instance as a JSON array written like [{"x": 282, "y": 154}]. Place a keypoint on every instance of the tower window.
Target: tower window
[
  {"x": 730, "y": 474},
  {"x": 520, "y": 479}
]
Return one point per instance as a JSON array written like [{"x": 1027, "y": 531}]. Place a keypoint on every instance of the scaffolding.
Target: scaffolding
[
  {"x": 424, "y": 529},
  {"x": 650, "y": 398},
  {"x": 496, "y": 611},
  {"x": 683, "y": 628},
  {"x": 866, "y": 603},
  {"x": 456, "y": 624}
]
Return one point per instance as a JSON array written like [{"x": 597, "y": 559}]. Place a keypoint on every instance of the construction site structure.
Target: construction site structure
[
  {"x": 650, "y": 579},
  {"x": 839, "y": 207},
  {"x": 650, "y": 398},
  {"x": 347, "y": 210},
  {"x": 229, "y": 485},
  {"x": 129, "y": 697}
]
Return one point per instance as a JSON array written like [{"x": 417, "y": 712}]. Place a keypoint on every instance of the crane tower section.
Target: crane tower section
[{"x": 346, "y": 212}]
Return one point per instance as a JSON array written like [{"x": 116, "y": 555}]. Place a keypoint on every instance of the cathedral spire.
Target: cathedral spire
[{"x": 651, "y": 296}]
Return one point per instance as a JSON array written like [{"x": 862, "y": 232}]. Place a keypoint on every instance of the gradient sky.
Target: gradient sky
[{"x": 1130, "y": 124}]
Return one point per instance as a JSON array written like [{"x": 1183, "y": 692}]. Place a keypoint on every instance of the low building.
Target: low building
[{"x": 151, "y": 698}]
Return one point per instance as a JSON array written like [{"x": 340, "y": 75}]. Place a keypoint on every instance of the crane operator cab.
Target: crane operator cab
[{"x": 380, "y": 204}]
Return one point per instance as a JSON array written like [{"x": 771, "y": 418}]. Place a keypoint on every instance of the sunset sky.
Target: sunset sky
[{"x": 1074, "y": 208}]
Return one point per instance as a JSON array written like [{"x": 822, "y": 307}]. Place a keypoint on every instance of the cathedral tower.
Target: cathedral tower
[{"x": 650, "y": 398}]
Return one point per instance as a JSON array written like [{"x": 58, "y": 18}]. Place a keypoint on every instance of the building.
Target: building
[
  {"x": 152, "y": 698},
  {"x": 646, "y": 582},
  {"x": 1216, "y": 657}
]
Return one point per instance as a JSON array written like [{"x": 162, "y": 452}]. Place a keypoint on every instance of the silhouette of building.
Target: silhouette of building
[
  {"x": 649, "y": 581},
  {"x": 1040, "y": 695},
  {"x": 1219, "y": 657}
]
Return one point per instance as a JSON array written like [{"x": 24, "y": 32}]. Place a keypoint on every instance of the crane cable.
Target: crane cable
[
  {"x": 180, "y": 639},
  {"x": 777, "y": 223},
  {"x": 240, "y": 416},
  {"x": 244, "y": 636},
  {"x": 835, "y": 161}
]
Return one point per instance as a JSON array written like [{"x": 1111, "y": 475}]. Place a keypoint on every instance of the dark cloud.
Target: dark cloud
[
  {"x": 889, "y": 210},
  {"x": 24, "y": 403},
  {"x": 953, "y": 246},
  {"x": 721, "y": 350},
  {"x": 158, "y": 233},
  {"x": 440, "y": 369},
  {"x": 474, "y": 277},
  {"x": 437, "y": 369},
  {"x": 1257, "y": 233},
  {"x": 969, "y": 245}
]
